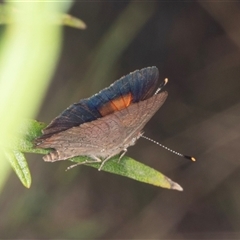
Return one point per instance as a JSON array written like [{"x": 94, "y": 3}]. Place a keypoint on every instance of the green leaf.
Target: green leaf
[
  {"x": 127, "y": 167},
  {"x": 133, "y": 169},
  {"x": 30, "y": 129},
  {"x": 29, "y": 50},
  {"x": 62, "y": 19},
  {"x": 20, "y": 166},
  {"x": 71, "y": 21}
]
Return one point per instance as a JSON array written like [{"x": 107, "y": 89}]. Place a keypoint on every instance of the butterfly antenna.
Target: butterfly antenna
[
  {"x": 162, "y": 85},
  {"x": 169, "y": 149}
]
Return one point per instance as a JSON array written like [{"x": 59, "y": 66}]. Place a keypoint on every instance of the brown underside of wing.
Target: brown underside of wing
[{"x": 110, "y": 133}]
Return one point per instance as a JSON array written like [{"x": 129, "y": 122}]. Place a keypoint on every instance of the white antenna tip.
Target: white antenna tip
[{"x": 165, "y": 81}]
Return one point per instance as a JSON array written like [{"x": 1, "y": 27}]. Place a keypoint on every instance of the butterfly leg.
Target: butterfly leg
[
  {"x": 122, "y": 154},
  {"x": 106, "y": 159},
  {"x": 103, "y": 162},
  {"x": 94, "y": 160}
]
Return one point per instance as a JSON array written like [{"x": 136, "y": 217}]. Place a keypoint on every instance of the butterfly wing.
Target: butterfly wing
[
  {"x": 106, "y": 136},
  {"x": 132, "y": 88}
]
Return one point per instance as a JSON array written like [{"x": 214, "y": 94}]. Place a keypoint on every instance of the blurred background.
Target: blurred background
[{"x": 197, "y": 46}]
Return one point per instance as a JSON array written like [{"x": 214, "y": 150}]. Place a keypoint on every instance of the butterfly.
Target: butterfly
[{"x": 107, "y": 123}]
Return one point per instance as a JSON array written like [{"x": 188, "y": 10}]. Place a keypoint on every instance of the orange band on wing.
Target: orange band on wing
[{"x": 116, "y": 104}]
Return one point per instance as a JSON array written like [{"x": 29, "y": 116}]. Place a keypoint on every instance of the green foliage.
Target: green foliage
[
  {"x": 127, "y": 167},
  {"x": 7, "y": 17},
  {"x": 29, "y": 51},
  {"x": 20, "y": 166}
]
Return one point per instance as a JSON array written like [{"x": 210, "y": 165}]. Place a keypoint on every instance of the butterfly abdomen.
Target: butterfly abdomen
[{"x": 51, "y": 157}]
